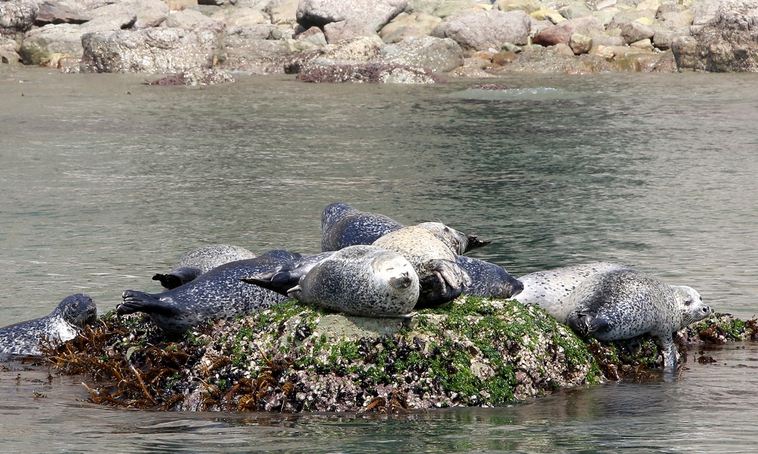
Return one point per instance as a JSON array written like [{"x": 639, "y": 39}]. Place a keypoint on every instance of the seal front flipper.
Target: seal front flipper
[
  {"x": 585, "y": 323},
  {"x": 135, "y": 301},
  {"x": 177, "y": 277},
  {"x": 280, "y": 281},
  {"x": 445, "y": 283}
]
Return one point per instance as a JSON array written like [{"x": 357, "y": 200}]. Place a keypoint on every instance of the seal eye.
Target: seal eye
[{"x": 687, "y": 302}]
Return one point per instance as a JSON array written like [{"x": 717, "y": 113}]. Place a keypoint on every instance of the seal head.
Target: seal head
[{"x": 488, "y": 280}]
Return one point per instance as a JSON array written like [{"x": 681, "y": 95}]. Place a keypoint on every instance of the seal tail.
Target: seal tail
[
  {"x": 585, "y": 324},
  {"x": 177, "y": 277},
  {"x": 135, "y": 301}
]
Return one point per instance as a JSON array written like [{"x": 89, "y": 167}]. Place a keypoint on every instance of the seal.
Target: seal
[
  {"x": 550, "y": 289},
  {"x": 440, "y": 277},
  {"x": 624, "y": 304},
  {"x": 199, "y": 261},
  {"x": 358, "y": 280},
  {"x": 488, "y": 280},
  {"x": 217, "y": 294},
  {"x": 64, "y": 323},
  {"x": 343, "y": 226}
]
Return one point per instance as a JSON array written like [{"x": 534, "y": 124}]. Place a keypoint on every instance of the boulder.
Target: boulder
[
  {"x": 244, "y": 53},
  {"x": 635, "y": 31},
  {"x": 282, "y": 11},
  {"x": 580, "y": 44},
  {"x": 150, "y": 13},
  {"x": 482, "y": 30},
  {"x": 528, "y": 6},
  {"x": 154, "y": 50},
  {"x": 314, "y": 36},
  {"x": 435, "y": 54},
  {"x": 60, "y": 13},
  {"x": 240, "y": 17},
  {"x": 729, "y": 42},
  {"x": 443, "y": 9},
  {"x": 366, "y": 73},
  {"x": 17, "y": 15},
  {"x": 190, "y": 19},
  {"x": 409, "y": 25},
  {"x": 195, "y": 77},
  {"x": 561, "y": 33},
  {"x": 344, "y": 19},
  {"x": 9, "y": 51},
  {"x": 663, "y": 37}
]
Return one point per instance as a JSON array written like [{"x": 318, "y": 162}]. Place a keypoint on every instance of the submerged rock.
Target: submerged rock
[
  {"x": 366, "y": 73},
  {"x": 200, "y": 76}
]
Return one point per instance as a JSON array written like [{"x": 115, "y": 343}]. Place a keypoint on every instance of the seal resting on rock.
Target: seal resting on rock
[
  {"x": 550, "y": 289},
  {"x": 343, "y": 225},
  {"x": 64, "y": 323},
  {"x": 488, "y": 280},
  {"x": 199, "y": 261},
  {"x": 624, "y": 304},
  {"x": 357, "y": 280},
  {"x": 219, "y": 293},
  {"x": 440, "y": 277}
]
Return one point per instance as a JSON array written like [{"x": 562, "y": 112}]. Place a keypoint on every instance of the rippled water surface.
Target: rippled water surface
[{"x": 105, "y": 181}]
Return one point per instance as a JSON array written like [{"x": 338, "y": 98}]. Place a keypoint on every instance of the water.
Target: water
[{"x": 105, "y": 181}]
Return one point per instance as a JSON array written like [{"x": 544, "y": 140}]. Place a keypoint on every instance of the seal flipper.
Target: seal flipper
[
  {"x": 135, "y": 301},
  {"x": 475, "y": 243},
  {"x": 278, "y": 281},
  {"x": 177, "y": 277},
  {"x": 445, "y": 283},
  {"x": 670, "y": 353}
]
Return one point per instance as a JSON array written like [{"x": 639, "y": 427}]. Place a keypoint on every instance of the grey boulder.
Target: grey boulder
[
  {"x": 483, "y": 30},
  {"x": 344, "y": 19}
]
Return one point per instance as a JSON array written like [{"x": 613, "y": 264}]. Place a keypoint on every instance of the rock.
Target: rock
[
  {"x": 580, "y": 44},
  {"x": 195, "y": 77},
  {"x": 178, "y": 5},
  {"x": 504, "y": 57},
  {"x": 561, "y": 33},
  {"x": 704, "y": 11},
  {"x": 635, "y": 31},
  {"x": 17, "y": 15},
  {"x": 443, "y": 9},
  {"x": 282, "y": 11},
  {"x": 59, "y": 13},
  {"x": 574, "y": 11},
  {"x": 548, "y": 14},
  {"x": 663, "y": 37},
  {"x": 482, "y": 30},
  {"x": 355, "y": 17},
  {"x": 190, "y": 19},
  {"x": 314, "y": 36},
  {"x": 644, "y": 44},
  {"x": 623, "y": 17},
  {"x": 366, "y": 73},
  {"x": 528, "y": 6},
  {"x": 240, "y": 17},
  {"x": 155, "y": 50},
  {"x": 150, "y": 13},
  {"x": 9, "y": 51},
  {"x": 413, "y": 25},
  {"x": 675, "y": 19},
  {"x": 244, "y": 53},
  {"x": 729, "y": 42},
  {"x": 435, "y": 54}
]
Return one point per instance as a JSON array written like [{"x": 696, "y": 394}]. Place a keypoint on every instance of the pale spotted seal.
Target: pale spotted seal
[
  {"x": 219, "y": 293},
  {"x": 63, "y": 324},
  {"x": 624, "y": 304},
  {"x": 550, "y": 289},
  {"x": 199, "y": 261},
  {"x": 440, "y": 277},
  {"x": 356, "y": 280},
  {"x": 343, "y": 225}
]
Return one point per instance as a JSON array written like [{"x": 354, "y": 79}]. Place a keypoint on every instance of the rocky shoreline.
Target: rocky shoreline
[
  {"x": 293, "y": 358},
  {"x": 397, "y": 41}
]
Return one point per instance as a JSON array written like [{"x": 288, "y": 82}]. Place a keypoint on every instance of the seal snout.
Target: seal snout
[
  {"x": 402, "y": 281},
  {"x": 513, "y": 288}
]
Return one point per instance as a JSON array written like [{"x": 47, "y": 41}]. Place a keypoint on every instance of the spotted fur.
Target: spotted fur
[
  {"x": 199, "y": 261},
  {"x": 343, "y": 225}
]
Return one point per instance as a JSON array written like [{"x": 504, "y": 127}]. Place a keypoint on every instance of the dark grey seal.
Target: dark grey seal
[
  {"x": 342, "y": 226},
  {"x": 357, "y": 280},
  {"x": 64, "y": 323},
  {"x": 624, "y": 304},
  {"x": 199, "y": 261},
  {"x": 217, "y": 294},
  {"x": 488, "y": 279}
]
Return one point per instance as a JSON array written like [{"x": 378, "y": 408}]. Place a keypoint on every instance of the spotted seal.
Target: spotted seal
[
  {"x": 342, "y": 226},
  {"x": 62, "y": 324},
  {"x": 358, "y": 280},
  {"x": 219, "y": 293},
  {"x": 199, "y": 261},
  {"x": 488, "y": 280},
  {"x": 624, "y": 304},
  {"x": 550, "y": 289},
  {"x": 440, "y": 277}
]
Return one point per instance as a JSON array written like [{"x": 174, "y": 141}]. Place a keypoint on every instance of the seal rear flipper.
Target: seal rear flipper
[
  {"x": 135, "y": 301},
  {"x": 445, "y": 283},
  {"x": 278, "y": 281},
  {"x": 177, "y": 277}
]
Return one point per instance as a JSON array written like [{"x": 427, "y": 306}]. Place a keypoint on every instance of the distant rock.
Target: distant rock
[
  {"x": 435, "y": 54},
  {"x": 366, "y": 73},
  {"x": 59, "y": 13},
  {"x": 200, "y": 76},
  {"x": 413, "y": 25},
  {"x": 17, "y": 15},
  {"x": 483, "y": 30},
  {"x": 190, "y": 19},
  {"x": 728, "y": 42},
  {"x": 9, "y": 51},
  {"x": 155, "y": 50},
  {"x": 561, "y": 33},
  {"x": 344, "y": 19}
]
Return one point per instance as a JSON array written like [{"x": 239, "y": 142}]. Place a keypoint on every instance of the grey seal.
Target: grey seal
[
  {"x": 199, "y": 261},
  {"x": 488, "y": 279},
  {"x": 64, "y": 323},
  {"x": 434, "y": 260},
  {"x": 550, "y": 289},
  {"x": 357, "y": 280},
  {"x": 624, "y": 304},
  {"x": 219, "y": 293},
  {"x": 342, "y": 226}
]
